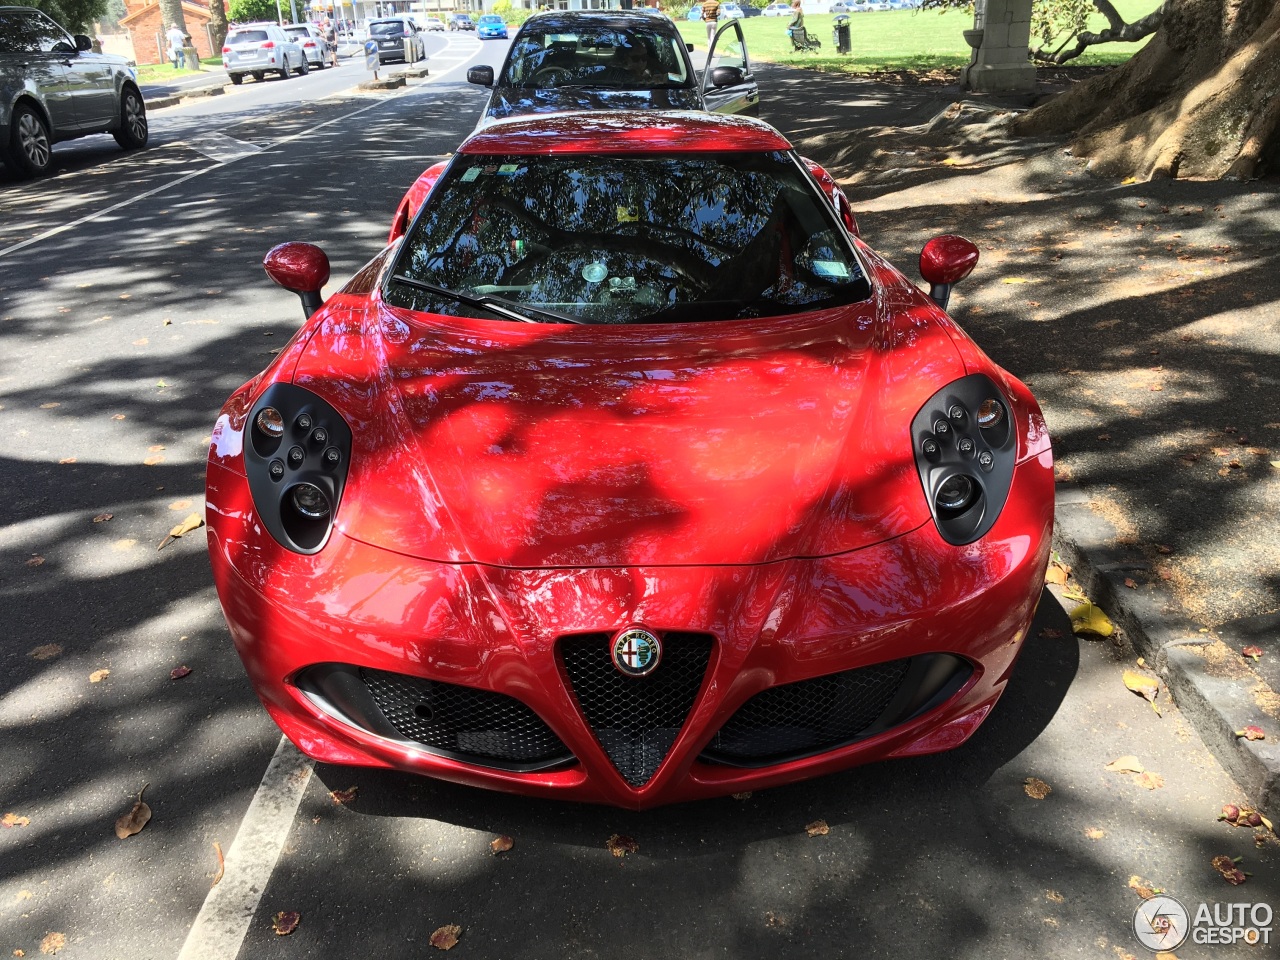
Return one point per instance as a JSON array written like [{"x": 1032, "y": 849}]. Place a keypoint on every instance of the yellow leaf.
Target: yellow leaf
[
  {"x": 1143, "y": 686},
  {"x": 1087, "y": 618},
  {"x": 193, "y": 522},
  {"x": 1016, "y": 280},
  {"x": 99, "y": 675},
  {"x": 1056, "y": 574},
  {"x": 1128, "y": 180},
  {"x": 1036, "y": 789},
  {"x": 1126, "y": 764}
]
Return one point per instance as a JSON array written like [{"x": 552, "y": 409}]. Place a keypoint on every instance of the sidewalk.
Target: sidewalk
[{"x": 1145, "y": 318}]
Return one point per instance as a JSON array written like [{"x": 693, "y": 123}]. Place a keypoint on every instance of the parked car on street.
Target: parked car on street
[
  {"x": 778, "y": 10},
  {"x": 731, "y": 11},
  {"x": 649, "y": 481},
  {"x": 314, "y": 45},
  {"x": 461, "y": 21},
  {"x": 433, "y": 25},
  {"x": 54, "y": 87},
  {"x": 490, "y": 26},
  {"x": 397, "y": 39},
  {"x": 615, "y": 60},
  {"x": 256, "y": 49}
]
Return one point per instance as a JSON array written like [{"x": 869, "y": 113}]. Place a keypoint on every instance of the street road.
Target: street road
[{"x": 132, "y": 302}]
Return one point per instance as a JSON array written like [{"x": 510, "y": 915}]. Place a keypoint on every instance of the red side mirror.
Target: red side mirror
[
  {"x": 301, "y": 268},
  {"x": 945, "y": 261}
]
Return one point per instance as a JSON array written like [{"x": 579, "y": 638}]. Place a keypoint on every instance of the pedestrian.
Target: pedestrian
[
  {"x": 177, "y": 40},
  {"x": 797, "y": 19},
  {"x": 711, "y": 14},
  {"x": 331, "y": 38}
]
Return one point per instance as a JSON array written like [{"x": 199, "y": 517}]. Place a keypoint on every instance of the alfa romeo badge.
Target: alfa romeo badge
[{"x": 636, "y": 652}]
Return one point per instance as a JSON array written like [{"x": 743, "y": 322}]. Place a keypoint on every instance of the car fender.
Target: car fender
[{"x": 413, "y": 199}]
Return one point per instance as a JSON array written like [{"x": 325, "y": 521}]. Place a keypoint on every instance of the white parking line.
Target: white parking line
[{"x": 223, "y": 921}]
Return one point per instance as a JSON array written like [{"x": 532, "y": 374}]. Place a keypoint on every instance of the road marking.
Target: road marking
[
  {"x": 222, "y": 148},
  {"x": 223, "y": 921}
]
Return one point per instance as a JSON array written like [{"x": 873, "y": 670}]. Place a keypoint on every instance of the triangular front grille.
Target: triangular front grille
[{"x": 636, "y": 719}]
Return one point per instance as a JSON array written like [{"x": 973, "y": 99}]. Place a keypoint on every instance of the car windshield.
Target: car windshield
[
  {"x": 489, "y": 18},
  {"x": 393, "y": 28},
  {"x": 641, "y": 58},
  {"x": 652, "y": 238},
  {"x": 247, "y": 36}
]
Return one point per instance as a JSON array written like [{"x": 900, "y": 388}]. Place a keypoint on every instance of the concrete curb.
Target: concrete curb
[
  {"x": 159, "y": 103},
  {"x": 1218, "y": 693}
]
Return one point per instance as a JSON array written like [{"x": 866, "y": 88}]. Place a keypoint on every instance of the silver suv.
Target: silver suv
[
  {"x": 53, "y": 87},
  {"x": 261, "y": 48}
]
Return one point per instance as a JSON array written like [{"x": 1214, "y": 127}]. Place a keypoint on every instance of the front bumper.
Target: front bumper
[{"x": 378, "y": 620}]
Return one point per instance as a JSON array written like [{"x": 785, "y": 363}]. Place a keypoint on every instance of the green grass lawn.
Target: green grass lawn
[
  {"x": 159, "y": 72},
  {"x": 896, "y": 40}
]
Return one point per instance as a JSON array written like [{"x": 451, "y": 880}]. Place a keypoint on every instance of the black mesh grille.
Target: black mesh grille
[
  {"x": 636, "y": 719},
  {"x": 804, "y": 717},
  {"x": 463, "y": 721}
]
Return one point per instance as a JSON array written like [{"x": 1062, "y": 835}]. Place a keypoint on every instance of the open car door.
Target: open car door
[{"x": 728, "y": 85}]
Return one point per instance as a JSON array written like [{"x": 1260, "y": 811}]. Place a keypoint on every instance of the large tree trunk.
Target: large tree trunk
[
  {"x": 171, "y": 11},
  {"x": 217, "y": 24},
  {"x": 1200, "y": 101}
]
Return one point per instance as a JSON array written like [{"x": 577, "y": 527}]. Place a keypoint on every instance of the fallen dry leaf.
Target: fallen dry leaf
[
  {"x": 222, "y": 864},
  {"x": 1050, "y": 633},
  {"x": 620, "y": 846},
  {"x": 52, "y": 943},
  {"x": 99, "y": 675},
  {"x": 1053, "y": 896},
  {"x": 1229, "y": 869},
  {"x": 1143, "y": 888},
  {"x": 45, "y": 651},
  {"x": 103, "y": 517},
  {"x": 745, "y": 795},
  {"x": 446, "y": 937},
  {"x": 66, "y": 460},
  {"x": 501, "y": 844},
  {"x": 1036, "y": 788},
  {"x": 1130, "y": 583},
  {"x": 1094, "y": 833},
  {"x": 1253, "y": 653},
  {"x": 177, "y": 673},
  {"x": 14, "y": 820},
  {"x": 1251, "y": 733},
  {"x": 285, "y": 922},
  {"x": 1087, "y": 618},
  {"x": 343, "y": 796},
  {"x": 137, "y": 818},
  {"x": 1057, "y": 572},
  {"x": 1146, "y": 687},
  {"x": 1149, "y": 780},
  {"x": 1126, "y": 764},
  {"x": 36, "y": 560},
  {"x": 818, "y": 828},
  {"x": 193, "y": 522}
]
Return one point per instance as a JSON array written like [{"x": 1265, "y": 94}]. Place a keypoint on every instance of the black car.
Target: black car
[
  {"x": 615, "y": 60},
  {"x": 397, "y": 39}
]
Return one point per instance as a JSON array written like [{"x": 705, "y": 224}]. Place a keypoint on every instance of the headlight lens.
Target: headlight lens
[
  {"x": 270, "y": 422},
  {"x": 990, "y": 414},
  {"x": 310, "y": 501},
  {"x": 955, "y": 494}
]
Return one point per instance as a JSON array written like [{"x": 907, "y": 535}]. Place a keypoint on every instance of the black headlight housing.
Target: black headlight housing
[
  {"x": 965, "y": 448},
  {"x": 296, "y": 450}
]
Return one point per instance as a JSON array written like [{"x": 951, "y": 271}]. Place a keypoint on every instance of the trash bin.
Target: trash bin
[{"x": 840, "y": 35}]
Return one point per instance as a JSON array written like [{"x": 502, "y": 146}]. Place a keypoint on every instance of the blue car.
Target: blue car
[{"x": 491, "y": 27}]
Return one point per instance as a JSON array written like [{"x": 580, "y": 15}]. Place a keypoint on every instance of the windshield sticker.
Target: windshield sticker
[
  {"x": 627, "y": 215},
  {"x": 509, "y": 168},
  {"x": 470, "y": 174},
  {"x": 831, "y": 268}
]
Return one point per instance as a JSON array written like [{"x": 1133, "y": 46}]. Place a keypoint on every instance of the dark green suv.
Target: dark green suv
[{"x": 54, "y": 87}]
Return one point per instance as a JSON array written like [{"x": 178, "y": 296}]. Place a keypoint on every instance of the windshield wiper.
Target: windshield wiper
[{"x": 495, "y": 305}]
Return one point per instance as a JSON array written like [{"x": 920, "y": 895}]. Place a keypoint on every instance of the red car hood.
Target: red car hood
[{"x": 526, "y": 445}]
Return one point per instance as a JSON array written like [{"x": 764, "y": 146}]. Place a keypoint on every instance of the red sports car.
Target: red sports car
[{"x": 628, "y": 473}]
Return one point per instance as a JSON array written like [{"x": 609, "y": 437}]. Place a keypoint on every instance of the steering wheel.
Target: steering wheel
[{"x": 551, "y": 76}]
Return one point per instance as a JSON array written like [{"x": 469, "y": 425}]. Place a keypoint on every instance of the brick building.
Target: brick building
[{"x": 147, "y": 28}]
